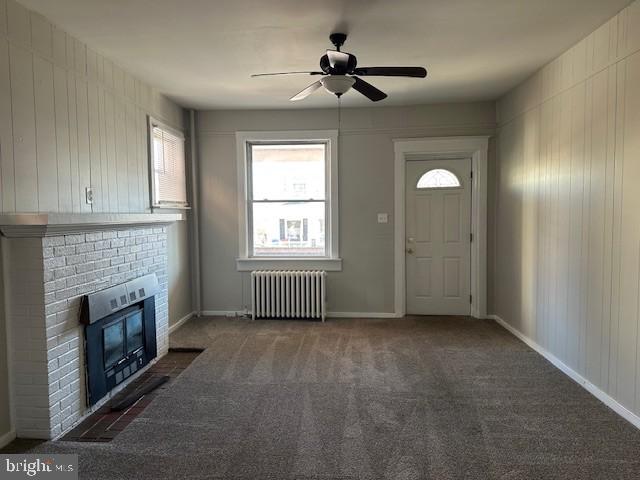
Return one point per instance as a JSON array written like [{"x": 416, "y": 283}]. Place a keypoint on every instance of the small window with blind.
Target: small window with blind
[{"x": 167, "y": 166}]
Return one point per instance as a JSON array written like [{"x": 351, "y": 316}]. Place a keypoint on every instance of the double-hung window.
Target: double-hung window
[
  {"x": 167, "y": 165},
  {"x": 288, "y": 195}
]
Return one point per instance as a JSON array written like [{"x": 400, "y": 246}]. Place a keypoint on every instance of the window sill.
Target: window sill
[{"x": 327, "y": 264}]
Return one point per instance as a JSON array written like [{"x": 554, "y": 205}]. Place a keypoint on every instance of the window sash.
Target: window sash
[
  {"x": 250, "y": 201},
  {"x": 168, "y": 166}
]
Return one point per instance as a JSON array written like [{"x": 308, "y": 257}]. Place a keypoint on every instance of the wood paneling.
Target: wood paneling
[
  {"x": 47, "y": 163},
  {"x": 7, "y": 198},
  {"x": 567, "y": 259},
  {"x": 24, "y": 129},
  {"x": 69, "y": 119}
]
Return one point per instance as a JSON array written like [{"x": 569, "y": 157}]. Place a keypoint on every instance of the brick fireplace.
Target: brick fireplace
[{"x": 47, "y": 273}]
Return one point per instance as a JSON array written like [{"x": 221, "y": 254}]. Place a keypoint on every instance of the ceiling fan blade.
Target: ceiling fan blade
[
  {"x": 338, "y": 60},
  {"x": 368, "y": 90},
  {"x": 306, "y": 92},
  {"x": 285, "y": 73},
  {"x": 417, "y": 72}
]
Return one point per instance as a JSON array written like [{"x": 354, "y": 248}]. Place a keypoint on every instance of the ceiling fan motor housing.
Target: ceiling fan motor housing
[{"x": 326, "y": 67}]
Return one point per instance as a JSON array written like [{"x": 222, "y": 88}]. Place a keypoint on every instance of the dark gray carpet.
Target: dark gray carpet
[{"x": 412, "y": 398}]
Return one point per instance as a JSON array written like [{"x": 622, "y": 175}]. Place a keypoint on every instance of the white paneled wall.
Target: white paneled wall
[
  {"x": 69, "y": 119},
  {"x": 567, "y": 262}
]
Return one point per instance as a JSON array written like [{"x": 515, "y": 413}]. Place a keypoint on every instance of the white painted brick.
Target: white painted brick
[
  {"x": 117, "y": 243},
  {"x": 65, "y": 250},
  {"x": 117, "y": 260},
  {"x": 58, "y": 351},
  {"x": 76, "y": 259},
  {"x": 85, "y": 247},
  {"x": 103, "y": 263},
  {"x": 69, "y": 378},
  {"x": 55, "y": 262},
  {"x": 66, "y": 293},
  {"x": 92, "y": 237},
  {"x": 55, "y": 307},
  {"x": 52, "y": 241},
  {"x": 74, "y": 239},
  {"x": 102, "y": 244},
  {"x": 93, "y": 256},
  {"x": 85, "y": 267},
  {"x": 76, "y": 280},
  {"x": 64, "y": 272}
]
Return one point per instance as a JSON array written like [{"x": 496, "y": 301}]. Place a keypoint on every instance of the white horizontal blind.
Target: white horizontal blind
[{"x": 169, "y": 176}]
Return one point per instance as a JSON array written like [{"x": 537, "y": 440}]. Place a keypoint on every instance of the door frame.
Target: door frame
[{"x": 443, "y": 148}]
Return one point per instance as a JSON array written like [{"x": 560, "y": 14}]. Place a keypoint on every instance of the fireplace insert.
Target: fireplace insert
[{"x": 120, "y": 334}]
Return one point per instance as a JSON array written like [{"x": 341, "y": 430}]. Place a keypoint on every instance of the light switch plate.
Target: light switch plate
[
  {"x": 89, "y": 195},
  {"x": 383, "y": 218}
]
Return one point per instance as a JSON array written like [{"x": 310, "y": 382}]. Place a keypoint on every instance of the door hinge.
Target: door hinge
[
  {"x": 471, "y": 174},
  {"x": 471, "y": 237},
  {"x": 470, "y": 298}
]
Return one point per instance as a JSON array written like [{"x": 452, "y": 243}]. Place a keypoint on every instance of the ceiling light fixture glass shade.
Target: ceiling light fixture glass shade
[{"x": 337, "y": 84}]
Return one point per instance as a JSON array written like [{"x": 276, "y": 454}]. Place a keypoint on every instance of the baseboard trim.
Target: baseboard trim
[
  {"x": 7, "y": 438},
  {"x": 180, "y": 322},
  {"x": 604, "y": 397},
  {"x": 223, "y": 313},
  {"x": 241, "y": 313},
  {"x": 361, "y": 315}
]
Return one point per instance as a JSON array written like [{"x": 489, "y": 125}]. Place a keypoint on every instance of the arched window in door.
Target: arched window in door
[{"x": 438, "y": 178}]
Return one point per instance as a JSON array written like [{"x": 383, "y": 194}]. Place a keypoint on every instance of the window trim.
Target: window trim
[
  {"x": 155, "y": 205},
  {"x": 331, "y": 261}
]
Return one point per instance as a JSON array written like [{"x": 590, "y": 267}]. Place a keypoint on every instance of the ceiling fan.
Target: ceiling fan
[{"x": 341, "y": 73}]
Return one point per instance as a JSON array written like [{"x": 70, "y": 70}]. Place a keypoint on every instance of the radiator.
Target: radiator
[{"x": 288, "y": 294}]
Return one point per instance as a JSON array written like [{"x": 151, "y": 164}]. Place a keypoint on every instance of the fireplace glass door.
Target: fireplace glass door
[
  {"x": 135, "y": 338},
  {"x": 113, "y": 341}
]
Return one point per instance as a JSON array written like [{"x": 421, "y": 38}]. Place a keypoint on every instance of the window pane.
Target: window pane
[
  {"x": 438, "y": 178},
  {"x": 288, "y": 172},
  {"x": 293, "y": 229}
]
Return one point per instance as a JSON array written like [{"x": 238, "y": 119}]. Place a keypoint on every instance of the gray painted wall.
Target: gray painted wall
[
  {"x": 366, "y": 157},
  {"x": 179, "y": 270},
  {"x": 567, "y": 201},
  {"x": 5, "y": 415},
  {"x": 71, "y": 118}
]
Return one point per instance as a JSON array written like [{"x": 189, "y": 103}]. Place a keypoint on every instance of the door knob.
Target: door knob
[{"x": 409, "y": 251}]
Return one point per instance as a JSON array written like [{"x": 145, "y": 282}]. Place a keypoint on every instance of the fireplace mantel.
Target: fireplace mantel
[{"x": 21, "y": 225}]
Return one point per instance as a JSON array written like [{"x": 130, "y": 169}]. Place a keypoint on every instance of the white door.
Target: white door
[{"x": 438, "y": 237}]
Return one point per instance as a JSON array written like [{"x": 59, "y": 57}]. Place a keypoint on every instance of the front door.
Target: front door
[{"x": 438, "y": 237}]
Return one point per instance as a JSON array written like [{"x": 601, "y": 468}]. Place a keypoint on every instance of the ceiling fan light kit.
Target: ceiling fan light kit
[
  {"x": 340, "y": 73},
  {"x": 337, "y": 84}
]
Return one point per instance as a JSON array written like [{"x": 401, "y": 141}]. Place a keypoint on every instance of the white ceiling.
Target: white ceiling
[{"x": 201, "y": 52}]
